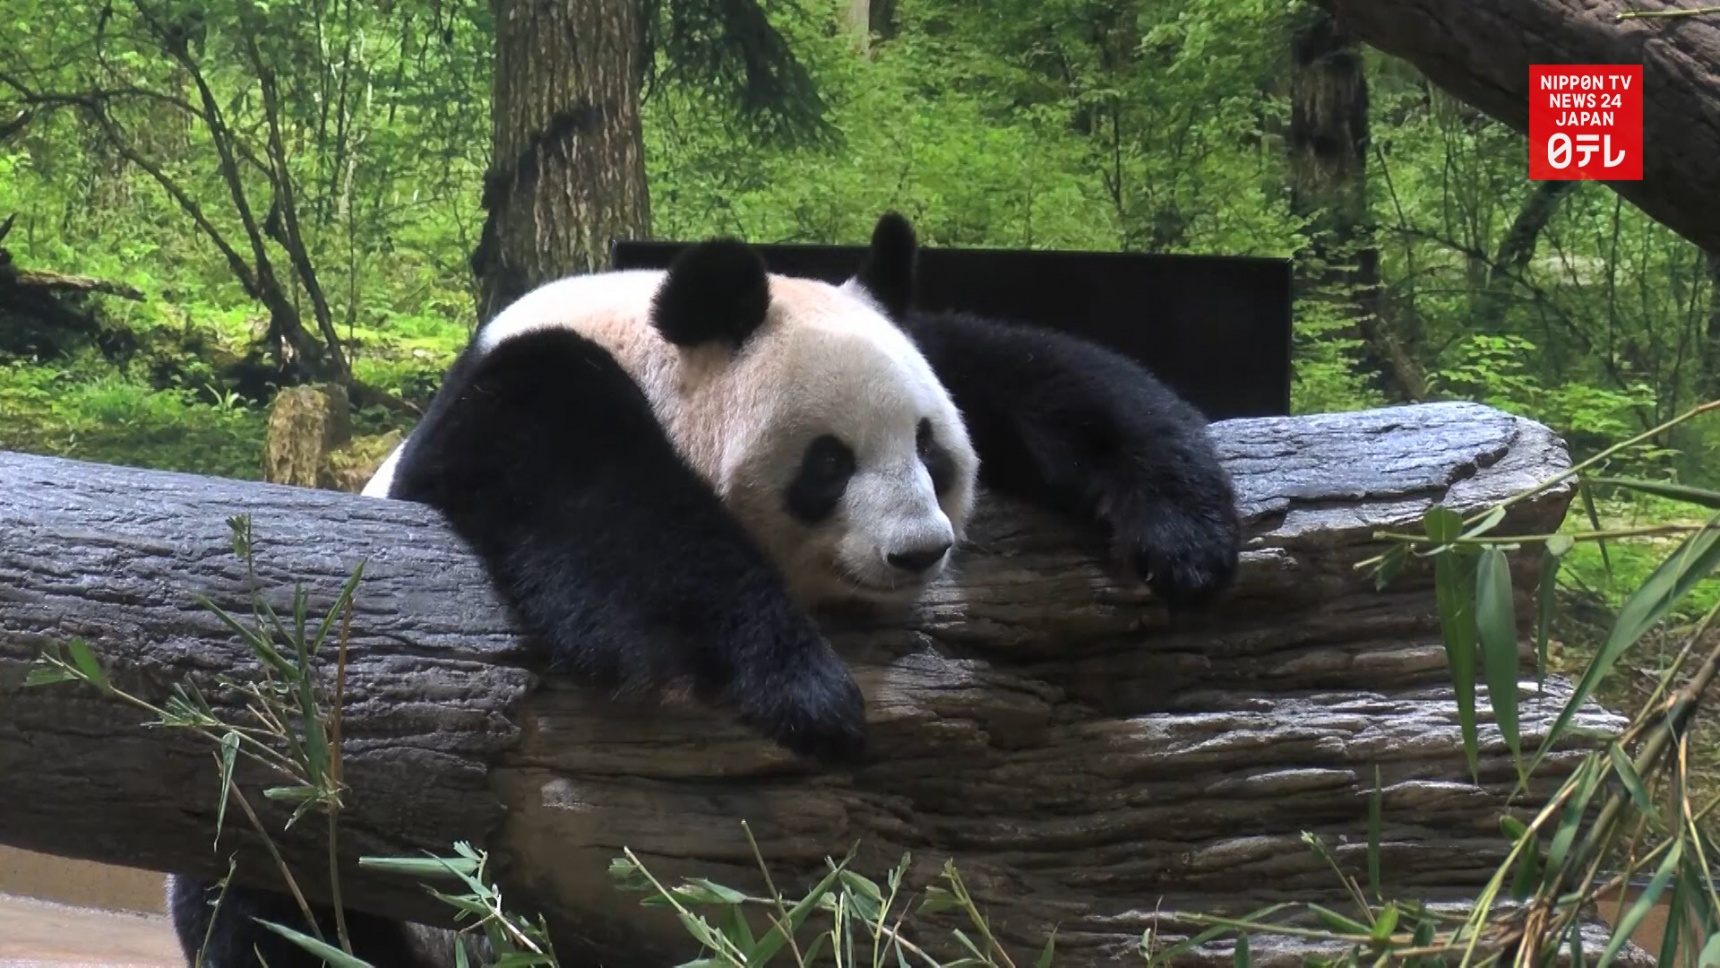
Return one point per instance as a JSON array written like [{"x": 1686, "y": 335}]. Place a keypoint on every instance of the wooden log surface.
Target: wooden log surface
[
  {"x": 1481, "y": 52},
  {"x": 1087, "y": 761}
]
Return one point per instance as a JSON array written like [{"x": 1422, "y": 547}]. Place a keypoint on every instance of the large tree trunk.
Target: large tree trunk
[
  {"x": 1086, "y": 760},
  {"x": 1328, "y": 147},
  {"x": 1481, "y": 53},
  {"x": 567, "y": 173}
]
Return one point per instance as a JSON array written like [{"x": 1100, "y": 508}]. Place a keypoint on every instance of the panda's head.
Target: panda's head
[{"x": 815, "y": 417}]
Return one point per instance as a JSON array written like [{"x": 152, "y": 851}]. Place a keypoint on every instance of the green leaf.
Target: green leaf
[
  {"x": 338, "y": 608},
  {"x": 859, "y": 884},
  {"x": 1552, "y": 556},
  {"x": 1496, "y": 624},
  {"x": 1627, "y": 775},
  {"x": 1594, "y": 517},
  {"x": 968, "y": 943},
  {"x": 255, "y": 642},
  {"x": 1243, "y": 959},
  {"x": 1044, "y": 959},
  {"x": 1674, "y": 932},
  {"x": 738, "y": 931},
  {"x": 1442, "y": 524},
  {"x": 1528, "y": 860},
  {"x": 229, "y": 753},
  {"x": 1386, "y": 923},
  {"x": 937, "y": 899},
  {"x": 1457, "y": 629},
  {"x": 44, "y": 674},
  {"x": 327, "y": 952},
  {"x": 1337, "y": 922},
  {"x": 1391, "y": 565},
  {"x": 774, "y": 939},
  {"x": 1677, "y": 492},
  {"x": 1587, "y": 778},
  {"x": 1488, "y": 522},
  {"x": 299, "y": 793},
  {"x": 1711, "y": 952},
  {"x": 717, "y": 893},
  {"x": 1644, "y": 903},
  {"x": 422, "y": 866},
  {"x": 85, "y": 660},
  {"x": 1693, "y": 561}
]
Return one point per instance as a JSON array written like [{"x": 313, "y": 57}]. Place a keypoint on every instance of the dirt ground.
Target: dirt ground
[
  {"x": 42, "y": 934},
  {"x": 58, "y": 913}
]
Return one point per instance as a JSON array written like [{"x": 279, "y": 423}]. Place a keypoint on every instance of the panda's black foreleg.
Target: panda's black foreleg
[
  {"x": 238, "y": 941},
  {"x": 548, "y": 459},
  {"x": 1068, "y": 424}
]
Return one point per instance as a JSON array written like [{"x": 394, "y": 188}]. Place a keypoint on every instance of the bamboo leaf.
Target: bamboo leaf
[
  {"x": 1457, "y": 630},
  {"x": 774, "y": 939},
  {"x": 1694, "y": 560},
  {"x": 85, "y": 660},
  {"x": 1711, "y": 952},
  {"x": 229, "y": 753},
  {"x": 1676, "y": 492},
  {"x": 1044, "y": 959},
  {"x": 1496, "y": 625},
  {"x": 1552, "y": 556},
  {"x": 1386, "y": 923},
  {"x": 1594, "y": 515},
  {"x": 44, "y": 674},
  {"x": 1628, "y": 776},
  {"x": 327, "y": 952},
  {"x": 1488, "y": 522}
]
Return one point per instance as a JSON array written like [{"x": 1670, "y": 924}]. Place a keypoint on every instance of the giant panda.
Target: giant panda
[{"x": 665, "y": 473}]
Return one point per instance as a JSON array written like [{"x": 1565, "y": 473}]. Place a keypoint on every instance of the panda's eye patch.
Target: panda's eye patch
[
  {"x": 937, "y": 460},
  {"x": 823, "y": 477}
]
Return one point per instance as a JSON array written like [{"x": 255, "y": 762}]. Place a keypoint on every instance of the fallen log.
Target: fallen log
[
  {"x": 1481, "y": 52},
  {"x": 1089, "y": 762}
]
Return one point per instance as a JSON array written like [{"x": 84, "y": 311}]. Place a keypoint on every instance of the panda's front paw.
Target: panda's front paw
[
  {"x": 1186, "y": 555},
  {"x": 813, "y": 709}
]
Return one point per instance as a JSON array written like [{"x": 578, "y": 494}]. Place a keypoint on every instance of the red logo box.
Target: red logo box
[{"x": 1585, "y": 122}]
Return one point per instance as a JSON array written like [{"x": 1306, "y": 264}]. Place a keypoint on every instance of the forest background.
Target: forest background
[{"x": 259, "y": 193}]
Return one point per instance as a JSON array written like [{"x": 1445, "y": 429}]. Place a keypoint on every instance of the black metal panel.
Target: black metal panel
[{"x": 1216, "y": 328}]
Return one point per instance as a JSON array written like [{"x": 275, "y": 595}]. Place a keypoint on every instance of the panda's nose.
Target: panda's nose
[{"x": 920, "y": 560}]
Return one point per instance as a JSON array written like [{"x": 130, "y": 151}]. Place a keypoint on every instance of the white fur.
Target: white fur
[{"x": 825, "y": 361}]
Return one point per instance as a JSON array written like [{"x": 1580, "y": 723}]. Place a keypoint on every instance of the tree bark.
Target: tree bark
[
  {"x": 1088, "y": 761},
  {"x": 1328, "y": 145},
  {"x": 567, "y": 173},
  {"x": 1481, "y": 52}
]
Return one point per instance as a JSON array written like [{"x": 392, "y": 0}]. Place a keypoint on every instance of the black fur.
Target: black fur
[
  {"x": 940, "y": 466},
  {"x": 714, "y": 291},
  {"x": 237, "y": 939},
  {"x": 888, "y": 270},
  {"x": 819, "y": 484},
  {"x": 546, "y": 457},
  {"x": 1069, "y": 425}
]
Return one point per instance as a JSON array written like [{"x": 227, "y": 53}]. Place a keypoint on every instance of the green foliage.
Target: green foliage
[
  {"x": 88, "y": 412},
  {"x": 1091, "y": 124}
]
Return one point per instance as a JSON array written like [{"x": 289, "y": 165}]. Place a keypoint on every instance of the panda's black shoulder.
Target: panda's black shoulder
[{"x": 1061, "y": 371}]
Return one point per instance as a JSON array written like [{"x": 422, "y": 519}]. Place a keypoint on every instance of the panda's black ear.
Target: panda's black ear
[
  {"x": 716, "y": 291},
  {"x": 888, "y": 272}
]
